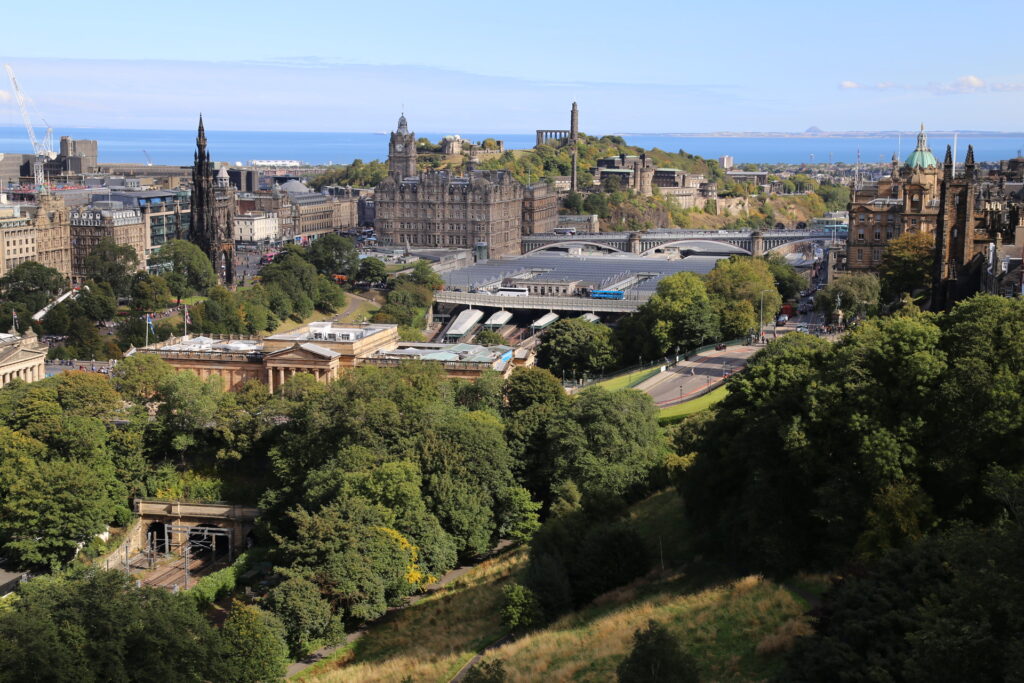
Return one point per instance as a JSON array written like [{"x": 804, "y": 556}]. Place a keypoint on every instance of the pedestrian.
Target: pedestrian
[{"x": 693, "y": 371}]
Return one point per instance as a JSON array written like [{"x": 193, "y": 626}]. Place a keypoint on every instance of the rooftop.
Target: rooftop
[{"x": 329, "y": 331}]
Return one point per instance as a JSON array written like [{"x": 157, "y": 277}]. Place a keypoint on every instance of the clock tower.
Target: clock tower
[{"x": 402, "y": 151}]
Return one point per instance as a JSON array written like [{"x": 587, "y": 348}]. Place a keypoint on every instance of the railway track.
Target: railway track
[{"x": 174, "y": 574}]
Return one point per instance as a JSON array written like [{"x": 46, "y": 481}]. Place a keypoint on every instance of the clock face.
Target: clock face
[{"x": 399, "y": 146}]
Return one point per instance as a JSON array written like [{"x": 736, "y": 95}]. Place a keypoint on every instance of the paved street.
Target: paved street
[{"x": 688, "y": 379}]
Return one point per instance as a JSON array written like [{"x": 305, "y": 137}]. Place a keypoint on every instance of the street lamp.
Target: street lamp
[{"x": 760, "y": 328}]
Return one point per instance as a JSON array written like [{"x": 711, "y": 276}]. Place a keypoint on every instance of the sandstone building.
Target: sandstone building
[
  {"x": 905, "y": 201},
  {"x": 110, "y": 220},
  {"x": 322, "y": 349},
  {"x": 21, "y": 357},
  {"x": 482, "y": 210}
]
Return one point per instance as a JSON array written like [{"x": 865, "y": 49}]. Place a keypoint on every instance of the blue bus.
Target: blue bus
[{"x": 607, "y": 294}]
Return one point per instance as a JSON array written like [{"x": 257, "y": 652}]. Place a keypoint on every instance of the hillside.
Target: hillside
[{"x": 737, "y": 628}]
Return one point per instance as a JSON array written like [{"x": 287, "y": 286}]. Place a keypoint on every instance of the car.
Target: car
[{"x": 783, "y": 319}]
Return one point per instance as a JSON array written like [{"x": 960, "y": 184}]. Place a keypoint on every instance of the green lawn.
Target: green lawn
[
  {"x": 628, "y": 380},
  {"x": 680, "y": 410}
]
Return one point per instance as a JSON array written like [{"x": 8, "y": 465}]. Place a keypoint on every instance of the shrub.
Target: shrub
[
  {"x": 520, "y": 610},
  {"x": 486, "y": 672},
  {"x": 657, "y": 657}
]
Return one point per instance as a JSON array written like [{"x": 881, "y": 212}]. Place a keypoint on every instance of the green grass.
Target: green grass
[
  {"x": 628, "y": 380},
  {"x": 675, "y": 413},
  {"x": 737, "y": 628}
]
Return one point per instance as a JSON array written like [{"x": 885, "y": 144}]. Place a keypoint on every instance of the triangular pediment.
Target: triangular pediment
[{"x": 302, "y": 352}]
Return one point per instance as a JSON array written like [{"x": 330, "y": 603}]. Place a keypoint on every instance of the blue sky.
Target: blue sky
[{"x": 656, "y": 66}]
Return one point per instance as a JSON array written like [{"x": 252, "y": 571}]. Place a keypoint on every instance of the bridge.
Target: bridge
[
  {"x": 166, "y": 523},
  {"x": 704, "y": 241}
]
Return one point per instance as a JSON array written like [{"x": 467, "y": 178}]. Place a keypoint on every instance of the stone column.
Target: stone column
[
  {"x": 757, "y": 244},
  {"x": 270, "y": 380}
]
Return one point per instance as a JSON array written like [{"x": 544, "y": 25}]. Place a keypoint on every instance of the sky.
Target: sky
[{"x": 660, "y": 66}]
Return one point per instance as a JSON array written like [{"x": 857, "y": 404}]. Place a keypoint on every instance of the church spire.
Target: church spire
[{"x": 403, "y": 125}]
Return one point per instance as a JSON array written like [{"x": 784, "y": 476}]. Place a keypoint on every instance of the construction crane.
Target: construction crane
[
  {"x": 42, "y": 149},
  {"x": 149, "y": 160}
]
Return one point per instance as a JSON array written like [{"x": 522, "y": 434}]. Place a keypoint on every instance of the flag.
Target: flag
[
  {"x": 184, "y": 310},
  {"x": 149, "y": 322},
  {"x": 14, "y": 319}
]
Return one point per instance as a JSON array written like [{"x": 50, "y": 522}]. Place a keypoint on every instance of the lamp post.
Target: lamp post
[{"x": 760, "y": 327}]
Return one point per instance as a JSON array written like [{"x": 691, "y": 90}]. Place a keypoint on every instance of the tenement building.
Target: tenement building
[
  {"x": 907, "y": 200},
  {"x": 105, "y": 220},
  {"x": 481, "y": 210}
]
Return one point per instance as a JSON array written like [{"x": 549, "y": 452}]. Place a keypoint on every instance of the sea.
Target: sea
[{"x": 176, "y": 147}]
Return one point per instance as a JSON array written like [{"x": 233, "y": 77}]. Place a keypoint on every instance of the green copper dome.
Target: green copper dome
[{"x": 922, "y": 157}]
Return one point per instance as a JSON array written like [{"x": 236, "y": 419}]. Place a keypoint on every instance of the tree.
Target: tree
[
  {"x": 187, "y": 259},
  {"x": 679, "y": 315},
  {"x": 98, "y": 626},
  {"x": 113, "y": 264},
  {"x": 372, "y": 270},
  {"x": 306, "y": 616},
  {"x": 47, "y": 508},
  {"x": 575, "y": 347},
  {"x": 252, "y": 646},
  {"x": 610, "y": 444},
  {"x": 519, "y": 610},
  {"x": 187, "y": 406},
  {"x": 149, "y": 292},
  {"x": 736, "y": 318},
  {"x": 333, "y": 254},
  {"x": 96, "y": 301},
  {"x": 529, "y": 386},
  {"x": 657, "y": 657},
  {"x": 492, "y": 671},
  {"x": 423, "y": 274},
  {"x": 854, "y": 295},
  {"x": 906, "y": 264},
  {"x": 748, "y": 279},
  {"x": 487, "y": 337},
  {"x": 787, "y": 280},
  {"x": 139, "y": 377},
  {"x": 32, "y": 285}
]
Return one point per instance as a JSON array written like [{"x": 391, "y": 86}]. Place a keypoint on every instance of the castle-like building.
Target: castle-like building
[
  {"x": 482, "y": 210},
  {"x": 905, "y": 201},
  {"x": 979, "y": 236},
  {"x": 977, "y": 223}
]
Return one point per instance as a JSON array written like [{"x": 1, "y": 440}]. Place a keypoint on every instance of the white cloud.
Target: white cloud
[
  {"x": 959, "y": 86},
  {"x": 5, "y": 96}
]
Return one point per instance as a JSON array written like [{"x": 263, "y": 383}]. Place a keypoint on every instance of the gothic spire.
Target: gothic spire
[
  {"x": 969, "y": 161},
  {"x": 948, "y": 161}
]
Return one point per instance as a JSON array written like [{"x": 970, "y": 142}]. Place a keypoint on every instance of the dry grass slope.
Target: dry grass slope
[
  {"x": 431, "y": 640},
  {"x": 721, "y": 627},
  {"x": 737, "y": 629}
]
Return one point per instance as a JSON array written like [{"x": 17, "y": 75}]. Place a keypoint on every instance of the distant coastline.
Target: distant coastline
[{"x": 837, "y": 134}]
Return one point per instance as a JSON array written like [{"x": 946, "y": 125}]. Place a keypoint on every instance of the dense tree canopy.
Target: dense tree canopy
[
  {"x": 187, "y": 260},
  {"x": 573, "y": 347},
  {"x": 113, "y": 264},
  {"x": 333, "y": 254},
  {"x": 906, "y": 264},
  {"x": 825, "y": 453}
]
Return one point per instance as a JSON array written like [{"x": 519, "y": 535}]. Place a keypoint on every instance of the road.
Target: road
[{"x": 690, "y": 378}]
